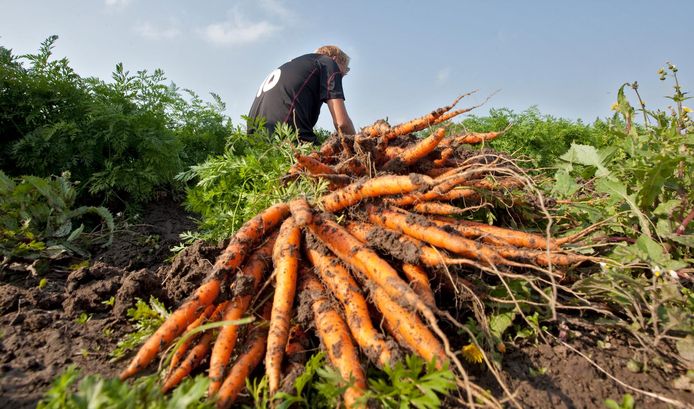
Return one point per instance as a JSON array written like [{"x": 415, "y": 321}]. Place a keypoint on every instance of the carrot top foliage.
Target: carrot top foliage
[{"x": 122, "y": 139}]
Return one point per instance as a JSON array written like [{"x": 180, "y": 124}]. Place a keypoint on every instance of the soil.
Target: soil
[{"x": 41, "y": 330}]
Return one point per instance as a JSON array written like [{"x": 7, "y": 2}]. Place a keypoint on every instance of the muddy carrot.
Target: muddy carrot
[
  {"x": 419, "y": 280},
  {"x": 378, "y": 186},
  {"x": 301, "y": 211},
  {"x": 408, "y": 328},
  {"x": 246, "y": 362},
  {"x": 334, "y": 335},
  {"x": 414, "y": 153},
  {"x": 313, "y": 165},
  {"x": 195, "y": 355},
  {"x": 340, "y": 282},
  {"x": 439, "y": 208},
  {"x": 243, "y": 289},
  {"x": 183, "y": 348},
  {"x": 250, "y": 234},
  {"x": 285, "y": 257},
  {"x": 177, "y": 322},
  {"x": 421, "y": 228},
  {"x": 353, "y": 253}
]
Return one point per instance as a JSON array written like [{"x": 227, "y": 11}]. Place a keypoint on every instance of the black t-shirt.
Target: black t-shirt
[{"x": 295, "y": 92}]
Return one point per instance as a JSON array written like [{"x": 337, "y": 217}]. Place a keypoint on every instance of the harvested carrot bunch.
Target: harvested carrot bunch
[{"x": 368, "y": 264}]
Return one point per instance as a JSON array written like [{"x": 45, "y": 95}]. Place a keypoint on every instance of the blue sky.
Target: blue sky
[{"x": 408, "y": 57}]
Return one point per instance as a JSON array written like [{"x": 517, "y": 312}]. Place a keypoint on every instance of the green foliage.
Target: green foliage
[
  {"x": 123, "y": 139},
  {"x": 318, "y": 386},
  {"x": 411, "y": 383},
  {"x": 644, "y": 180},
  {"x": 94, "y": 391},
  {"x": 643, "y": 185},
  {"x": 146, "y": 318},
  {"x": 38, "y": 219},
  {"x": 231, "y": 188},
  {"x": 540, "y": 138}
]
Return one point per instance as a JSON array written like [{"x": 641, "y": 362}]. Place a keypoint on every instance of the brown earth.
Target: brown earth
[{"x": 40, "y": 334}]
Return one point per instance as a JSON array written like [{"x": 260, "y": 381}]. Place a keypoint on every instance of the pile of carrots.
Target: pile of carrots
[{"x": 355, "y": 268}]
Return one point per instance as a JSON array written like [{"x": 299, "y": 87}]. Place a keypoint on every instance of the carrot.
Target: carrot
[
  {"x": 363, "y": 259},
  {"x": 378, "y": 128},
  {"x": 443, "y": 184},
  {"x": 497, "y": 235},
  {"x": 352, "y": 166},
  {"x": 452, "y": 114},
  {"x": 301, "y": 211},
  {"x": 400, "y": 246},
  {"x": 194, "y": 356},
  {"x": 437, "y": 208},
  {"x": 243, "y": 289},
  {"x": 285, "y": 257},
  {"x": 245, "y": 363},
  {"x": 472, "y": 138},
  {"x": 419, "y": 123},
  {"x": 445, "y": 154},
  {"x": 414, "y": 153},
  {"x": 420, "y": 283},
  {"x": 248, "y": 235},
  {"x": 183, "y": 348},
  {"x": 378, "y": 186},
  {"x": 436, "y": 172},
  {"x": 334, "y": 335},
  {"x": 339, "y": 281},
  {"x": 313, "y": 165},
  {"x": 500, "y": 243},
  {"x": 420, "y": 228},
  {"x": 173, "y": 326},
  {"x": 408, "y": 329}
]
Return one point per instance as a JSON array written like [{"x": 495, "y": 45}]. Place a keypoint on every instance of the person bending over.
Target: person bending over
[{"x": 295, "y": 92}]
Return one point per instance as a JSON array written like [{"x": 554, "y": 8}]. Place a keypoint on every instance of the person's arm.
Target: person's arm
[{"x": 341, "y": 120}]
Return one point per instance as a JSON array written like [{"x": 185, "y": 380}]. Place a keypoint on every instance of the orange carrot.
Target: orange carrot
[
  {"x": 419, "y": 123},
  {"x": 420, "y": 283},
  {"x": 314, "y": 166},
  {"x": 247, "y": 360},
  {"x": 414, "y": 153},
  {"x": 301, "y": 211},
  {"x": 194, "y": 356},
  {"x": 248, "y": 235},
  {"x": 285, "y": 257},
  {"x": 497, "y": 235},
  {"x": 408, "y": 329},
  {"x": 173, "y": 326},
  {"x": 334, "y": 335},
  {"x": 183, "y": 348},
  {"x": 346, "y": 290},
  {"x": 363, "y": 259},
  {"x": 420, "y": 228},
  {"x": 445, "y": 154},
  {"x": 437, "y": 208},
  {"x": 243, "y": 289},
  {"x": 378, "y": 186},
  {"x": 401, "y": 246}
]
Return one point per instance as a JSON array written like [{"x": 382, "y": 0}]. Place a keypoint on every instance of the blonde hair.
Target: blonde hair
[{"x": 334, "y": 52}]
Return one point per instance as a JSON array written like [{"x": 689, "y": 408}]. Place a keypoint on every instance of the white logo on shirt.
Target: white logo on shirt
[{"x": 269, "y": 82}]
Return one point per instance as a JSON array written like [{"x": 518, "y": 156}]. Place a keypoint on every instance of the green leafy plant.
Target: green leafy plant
[
  {"x": 539, "y": 138},
  {"x": 146, "y": 318},
  {"x": 411, "y": 383},
  {"x": 124, "y": 140},
  {"x": 39, "y": 219},
  {"x": 641, "y": 188},
  {"x": 231, "y": 188},
  {"x": 94, "y": 391}
]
